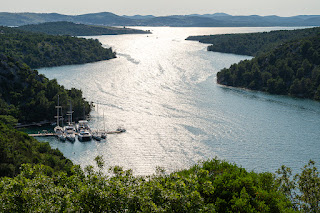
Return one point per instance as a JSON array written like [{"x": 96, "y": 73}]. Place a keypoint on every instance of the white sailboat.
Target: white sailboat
[
  {"x": 104, "y": 133},
  {"x": 58, "y": 129}
]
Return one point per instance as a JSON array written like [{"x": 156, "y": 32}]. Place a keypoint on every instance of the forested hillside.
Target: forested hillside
[
  {"x": 31, "y": 97},
  {"x": 41, "y": 50},
  {"x": 17, "y": 148},
  {"x": 253, "y": 44},
  {"x": 293, "y": 68},
  {"x": 72, "y": 29}
]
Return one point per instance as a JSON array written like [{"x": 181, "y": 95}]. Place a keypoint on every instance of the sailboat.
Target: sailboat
[
  {"x": 58, "y": 129},
  {"x": 70, "y": 130},
  {"x": 104, "y": 133},
  {"x": 96, "y": 134}
]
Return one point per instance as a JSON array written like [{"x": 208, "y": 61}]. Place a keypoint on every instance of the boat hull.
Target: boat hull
[{"x": 84, "y": 138}]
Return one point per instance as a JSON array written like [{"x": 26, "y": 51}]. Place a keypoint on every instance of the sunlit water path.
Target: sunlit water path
[{"x": 163, "y": 90}]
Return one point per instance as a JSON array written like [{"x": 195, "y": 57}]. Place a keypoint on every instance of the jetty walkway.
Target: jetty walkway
[{"x": 48, "y": 134}]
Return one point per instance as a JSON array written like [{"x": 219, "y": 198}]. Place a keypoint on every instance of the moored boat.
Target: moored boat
[
  {"x": 96, "y": 136},
  {"x": 84, "y": 135},
  {"x": 83, "y": 125},
  {"x": 120, "y": 129},
  {"x": 58, "y": 129},
  {"x": 70, "y": 132},
  {"x": 103, "y": 135}
]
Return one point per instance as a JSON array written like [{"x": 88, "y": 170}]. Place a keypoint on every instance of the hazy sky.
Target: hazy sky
[{"x": 166, "y": 7}]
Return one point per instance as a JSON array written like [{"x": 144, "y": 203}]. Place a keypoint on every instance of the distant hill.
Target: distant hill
[
  {"x": 69, "y": 28},
  {"x": 252, "y": 43},
  {"x": 194, "y": 20},
  {"x": 139, "y": 17}
]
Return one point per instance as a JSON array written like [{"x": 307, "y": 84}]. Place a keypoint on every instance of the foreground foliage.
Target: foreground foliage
[
  {"x": 292, "y": 69},
  {"x": 41, "y": 50},
  {"x": 17, "y": 148},
  {"x": 213, "y": 186},
  {"x": 253, "y": 44},
  {"x": 303, "y": 189}
]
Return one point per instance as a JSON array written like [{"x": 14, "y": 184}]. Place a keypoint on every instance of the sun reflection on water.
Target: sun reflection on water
[{"x": 162, "y": 89}]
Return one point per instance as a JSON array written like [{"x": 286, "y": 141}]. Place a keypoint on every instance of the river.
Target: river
[{"x": 163, "y": 90}]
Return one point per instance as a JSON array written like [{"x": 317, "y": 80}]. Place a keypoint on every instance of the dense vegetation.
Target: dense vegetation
[
  {"x": 41, "y": 50},
  {"x": 292, "y": 69},
  {"x": 72, "y": 29},
  {"x": 253, "y": 44},
  {"x": 212, "y": 186},
  {"x": 31, "y": 97},
  {"x": 17, "y": 148}
]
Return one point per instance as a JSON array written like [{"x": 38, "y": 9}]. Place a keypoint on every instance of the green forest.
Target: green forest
[
  {"x": 31, "y": 97},
  {"x": 41, "y": 50},
  {"x": 253, "y": 44},
  {"x": 72, "y": 29},
  {"x": 291, "y": 69},
  {"x": 17, "y": 148}
]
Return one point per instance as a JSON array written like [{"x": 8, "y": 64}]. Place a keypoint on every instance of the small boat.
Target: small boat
[
  {"x": 120, "y": 129},
  {"x": 103, "y": 135},
  {"x": 84, "y": 135},
  {"x": 96, "y": 136}
]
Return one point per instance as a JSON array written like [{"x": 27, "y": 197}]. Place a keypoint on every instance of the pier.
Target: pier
[
  {"x": 42, "y": 134},
  {"x": 50, "y": 134}
]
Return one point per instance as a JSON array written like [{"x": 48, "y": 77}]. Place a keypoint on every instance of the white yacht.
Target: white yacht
[
  {"x": 59, "y": 133},
  {"x": 84, "y": 135},
  {"x": 70, "y": 132},
  {"x": 83, "y": 125}
]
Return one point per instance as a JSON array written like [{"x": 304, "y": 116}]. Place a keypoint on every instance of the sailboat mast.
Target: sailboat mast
[
  {"x": 69, "y": 113},
  {"x": 104, "y": 123},
  {"x": 58, "y": 107}
]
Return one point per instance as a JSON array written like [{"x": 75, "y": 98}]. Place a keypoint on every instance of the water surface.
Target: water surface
[{"x": 163, "y": 90}]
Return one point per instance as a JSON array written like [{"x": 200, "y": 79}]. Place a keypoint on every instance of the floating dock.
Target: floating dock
[
  {"x": 48, "y": 134},
  {"x": 42, "y": 134}
]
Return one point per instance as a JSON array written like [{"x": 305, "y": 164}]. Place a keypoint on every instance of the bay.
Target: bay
[{"x": 163, "y": 90}]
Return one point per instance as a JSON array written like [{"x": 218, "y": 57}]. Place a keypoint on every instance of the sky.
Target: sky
[{"x": 283, "y": 8}]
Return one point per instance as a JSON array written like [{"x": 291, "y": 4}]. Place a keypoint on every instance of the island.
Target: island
[
  {"x": 286, "y": 62},
  {"x": 252, "y": 44},
  {"x": 42, "y": 50},
  {"x": 73, "y": 29}
]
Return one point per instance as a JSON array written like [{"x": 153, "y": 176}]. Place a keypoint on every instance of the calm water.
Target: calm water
[{"x": 163, "y": 90}]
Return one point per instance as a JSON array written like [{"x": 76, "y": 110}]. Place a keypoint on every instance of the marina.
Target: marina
[
  {"x": 81, "y": 129},
  {"x": 51, "y": 134}
]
